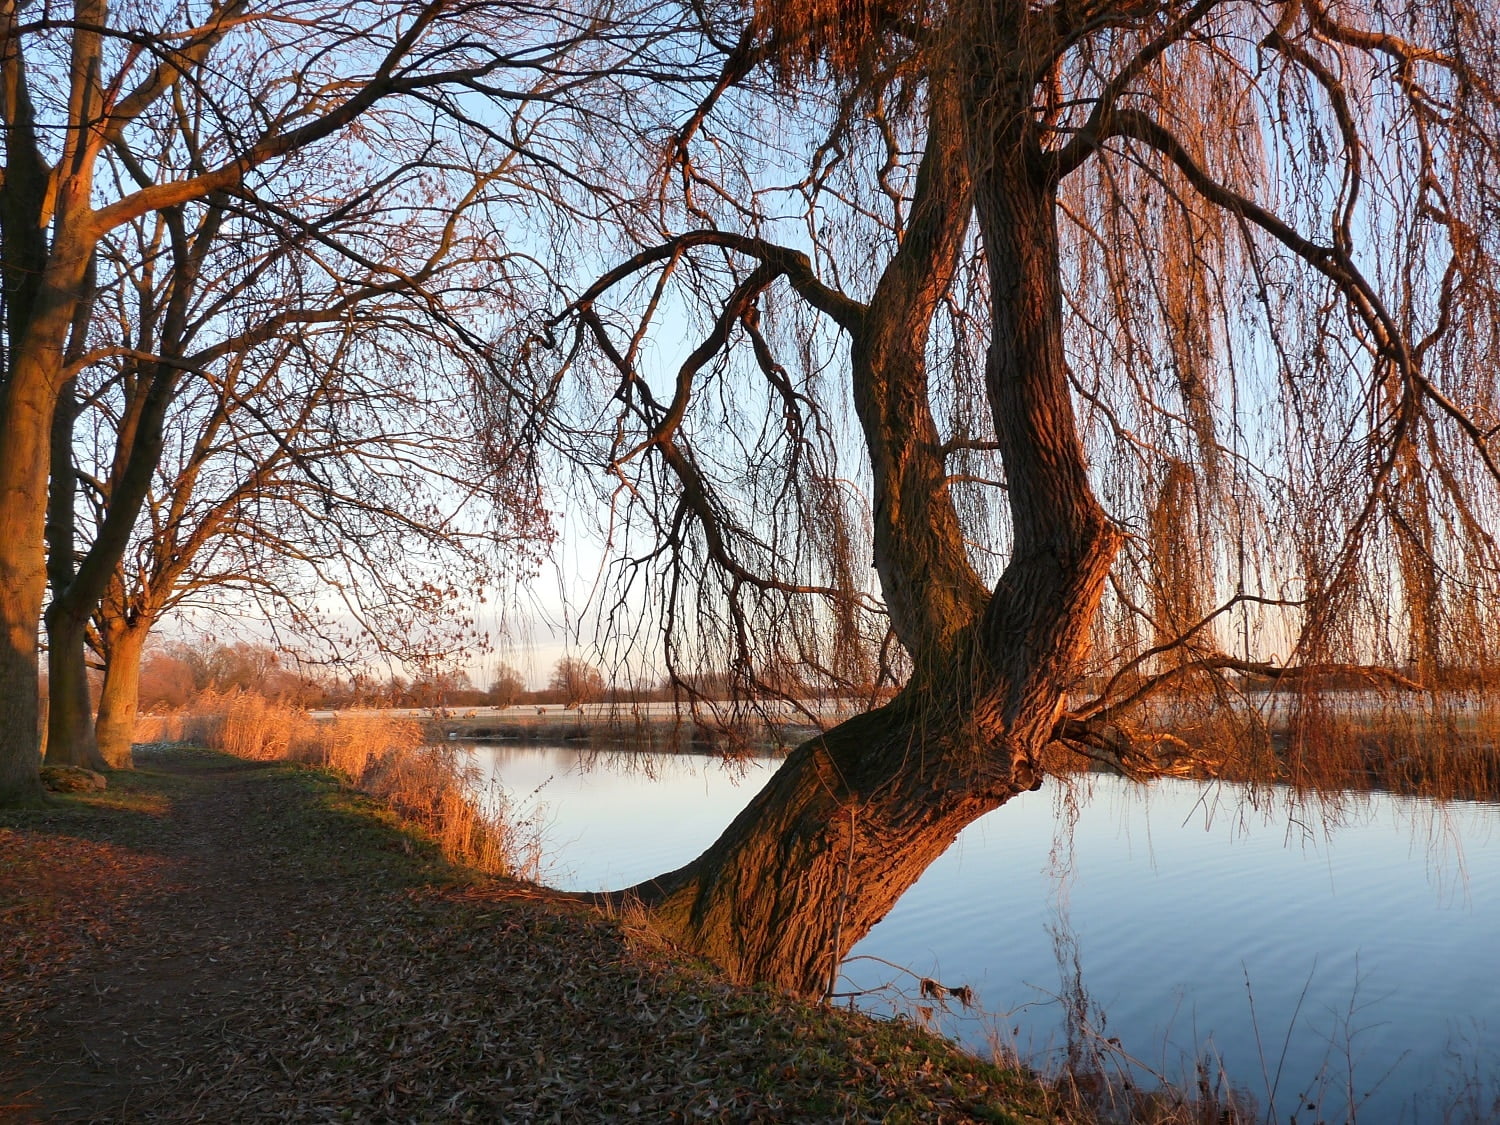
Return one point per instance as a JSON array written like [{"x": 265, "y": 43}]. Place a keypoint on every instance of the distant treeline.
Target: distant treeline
[{"x": 176, "y": 673}]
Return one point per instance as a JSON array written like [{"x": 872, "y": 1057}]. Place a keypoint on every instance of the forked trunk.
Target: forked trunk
[
  {"x": 114, "y": 730},
  {"x": 852, "y": 818}
]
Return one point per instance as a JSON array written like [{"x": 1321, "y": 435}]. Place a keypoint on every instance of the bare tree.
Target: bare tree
[
  {"x": 506, "y": 686},
  {"x": 80, "y": 83},
  {"x": 340, "y": 503},
  {"x": 316, "y": 442},
  {"x": 576, "y": 681},
  {"x": 1169, "y": 333}
]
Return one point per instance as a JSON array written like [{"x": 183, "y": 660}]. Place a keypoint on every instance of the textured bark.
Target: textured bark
[
  {"x": 114, "y": 730},
  {"x": 931, "y": 590},
  {"x": 853, "y": 818},
  {"x": 837, "y": 835},
  {"x": 1036, "y": 625},
  {"x": 70, "y": 712}
]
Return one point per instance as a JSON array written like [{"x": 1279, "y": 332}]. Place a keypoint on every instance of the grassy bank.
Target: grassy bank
[
  {"x": 220, "y": 939},
  {"x": 393, "y": 757}
]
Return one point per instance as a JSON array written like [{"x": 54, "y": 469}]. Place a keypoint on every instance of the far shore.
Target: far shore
[
  {"x": 773, "y": 723},
  {"x": 1365, "y": 739},
  {"x": 655, "y": 726}
]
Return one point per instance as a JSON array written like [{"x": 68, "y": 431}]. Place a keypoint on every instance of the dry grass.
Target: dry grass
[
  {"x": 1438, "y": 745},
  {"x": 434, "y": 788}
]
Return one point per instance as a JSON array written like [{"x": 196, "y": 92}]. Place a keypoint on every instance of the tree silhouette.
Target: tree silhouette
[{"x": 112, "y": 117}]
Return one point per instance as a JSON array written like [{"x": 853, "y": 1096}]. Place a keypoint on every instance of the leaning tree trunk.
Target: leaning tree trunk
[
  {"x": 837, "y": 835},
  {"x": 853, "y": 817},
  {"x": 114, "y": 730}
]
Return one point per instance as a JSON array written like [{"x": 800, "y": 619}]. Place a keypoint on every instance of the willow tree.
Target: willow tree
[{"x": 1089, "y": 280}]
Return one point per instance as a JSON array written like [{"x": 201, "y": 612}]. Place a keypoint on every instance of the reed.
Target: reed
[
  {"x": 1438, "y": 745},
  {"x": 159, "y": 728}
]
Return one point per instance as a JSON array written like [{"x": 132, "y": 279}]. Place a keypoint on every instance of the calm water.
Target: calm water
[{"x": 1290, "y": 945}]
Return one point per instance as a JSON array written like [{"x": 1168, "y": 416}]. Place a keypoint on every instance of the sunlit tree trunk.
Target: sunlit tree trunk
[
  {"x": 44, "y": 286},
  {"x": 26, "y": 403},
  {"x": 852, "y": 818},
  {"x": 119, "y": 698}
]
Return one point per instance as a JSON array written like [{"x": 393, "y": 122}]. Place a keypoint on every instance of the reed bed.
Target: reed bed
[
  {"x": 1436, "y": 745},
  {"x": 433, "y": 787}
]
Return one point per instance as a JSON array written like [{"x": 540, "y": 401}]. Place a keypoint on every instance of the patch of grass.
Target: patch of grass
[{"x": 128, "y": 813}]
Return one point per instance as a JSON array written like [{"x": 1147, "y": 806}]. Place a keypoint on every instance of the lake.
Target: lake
[{"x": 1343, "y": 955}]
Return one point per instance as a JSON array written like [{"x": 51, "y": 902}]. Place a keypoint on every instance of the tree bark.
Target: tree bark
[
  {"x": 854, "y": 817},
  {"x": 114, "y": 730},
  {"x": 70, "y": 713},
  {"x": 20, "y": 734},
  {"x": 27, "y": 399},
  {"x": 837, "y": 835},
  {"x": 931, "y": 590}
]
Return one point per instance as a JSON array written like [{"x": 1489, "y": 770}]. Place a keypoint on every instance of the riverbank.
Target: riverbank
[{"x": 214, "y": 939}]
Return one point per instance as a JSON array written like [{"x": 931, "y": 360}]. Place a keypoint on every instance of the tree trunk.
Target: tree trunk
[
  {"x": 823, "y": 852},
  {"x": 20, "y": 733},
  {"x": 852, "y": 818},
  {"x": 28, "y": 397},
  {"x": 44, "y": 287},
  {"x": 114, "y": 730},
  {"x": 70, "y": 715},
  {"x": 25, "y": 416}
]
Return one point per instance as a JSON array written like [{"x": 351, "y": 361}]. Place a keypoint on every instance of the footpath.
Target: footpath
[{"x": 217, "y": 940}]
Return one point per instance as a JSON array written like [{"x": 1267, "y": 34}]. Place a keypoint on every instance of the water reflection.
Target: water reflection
[{"x": 1202, "y": 918}]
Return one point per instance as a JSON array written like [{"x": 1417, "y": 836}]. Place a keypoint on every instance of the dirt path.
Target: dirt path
[
  {"x": 215, "y": 940},
  {"x": 200, "y": 894}
]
